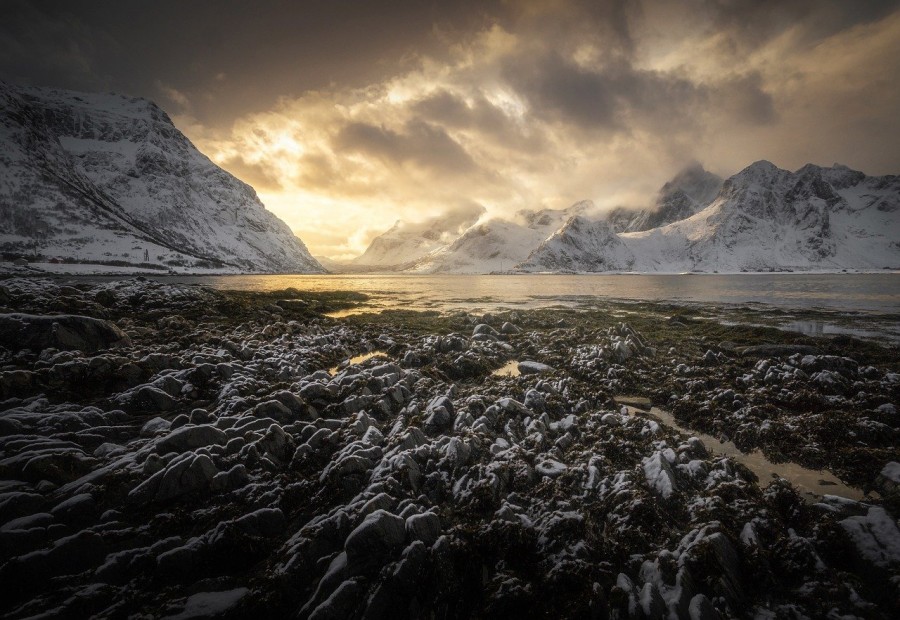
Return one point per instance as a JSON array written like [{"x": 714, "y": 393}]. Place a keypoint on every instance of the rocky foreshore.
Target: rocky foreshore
[{"x": 170, "y": 450}]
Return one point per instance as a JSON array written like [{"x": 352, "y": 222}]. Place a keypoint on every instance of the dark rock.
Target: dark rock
[
  {"x": 342, "y": 603},
  {"x": 190, "y": 438},
  {"x": 68, "y": 556},
  {"x": 79, "y": 509},
  {"x": 147, "y": 398},
  {"x": 373, "y": 540},
  {"x": 64, "y": 331},
  {"x": 425, "y": 527},
  {"x": 528, "y": 367}
]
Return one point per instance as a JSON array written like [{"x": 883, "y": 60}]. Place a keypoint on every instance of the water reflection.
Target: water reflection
[
  {"x": 822, "y": 328},
  {"x": 510, "y": 369},
  {"x": 867, "y": 292},
  {"x": 811, "y": 483},
  {"x": 358, "y": 359}
]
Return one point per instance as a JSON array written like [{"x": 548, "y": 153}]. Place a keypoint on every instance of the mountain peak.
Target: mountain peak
[{"x": 109, "y": 178}]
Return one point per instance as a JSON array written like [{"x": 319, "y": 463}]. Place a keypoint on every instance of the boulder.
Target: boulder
[
  {"x": 373, "y": 540},
  {"x": 79, "y": 509},
  {"x": 533, "y": 368},
  {"x": 191, "y": 437},
  {"x": 484, "y": 329},
  {"x": 425, "y": 527},
  {"x": 509, "y": 328},
  {"x": 64, "y": 331}
]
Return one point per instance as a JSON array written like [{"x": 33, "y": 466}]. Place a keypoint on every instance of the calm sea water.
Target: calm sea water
[{"x": 876, "y": 293}]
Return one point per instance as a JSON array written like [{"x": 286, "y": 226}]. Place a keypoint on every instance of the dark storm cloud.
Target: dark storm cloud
[
  {"x": 228, "y": 57},
  {"x": 557, "y": 88},
  {"x": 50, "y": 47},
  {"x": 420, "y": 144},
  {"x": 341, "y": 111},
  {"x": 744, "y": 97},
  {"x": 445, "y": 108},
  {"x": 757, "y": 21},
  {"x": 477, "y": 116},
  {"x": 605, "y": 98}
]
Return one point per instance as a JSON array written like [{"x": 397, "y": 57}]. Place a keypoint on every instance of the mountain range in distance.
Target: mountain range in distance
[
  {"x": 762, "y": 219},
  {"x": 105, "y": 179}
]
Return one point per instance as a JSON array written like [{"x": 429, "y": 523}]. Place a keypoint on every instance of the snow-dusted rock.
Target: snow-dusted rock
[
  {"x": 876, "y": 537},
  {"x": 529, "y": 367},
  {"x": 425, "y": 527},
  {"x": 376, "y": 537},
  {"x": 190, "y": 438}
]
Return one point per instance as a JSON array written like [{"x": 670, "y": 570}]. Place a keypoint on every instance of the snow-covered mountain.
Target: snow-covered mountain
[
  {"x": 107, "y": 178},
  {"x": 762, "y": 219},
  {"x": 407, "y": 242},
  {"x": 581, "y": 245},
  {"x": 498, "y": 244},
  {"x": 690, "y": 191}
]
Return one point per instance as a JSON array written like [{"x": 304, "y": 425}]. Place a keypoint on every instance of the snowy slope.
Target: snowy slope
[
  {"x": 102, "y": 177},
  {"x": 763, "y": 219},
  {"x": 690, "y": 191},
  {"x": 407, "y": 242},
  {"x": 498, "y": 244},
  {"x": 581, "y": 245},
  {"x": 766, "y": 218}
]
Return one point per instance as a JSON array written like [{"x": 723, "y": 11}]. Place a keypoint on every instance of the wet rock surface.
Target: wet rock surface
[{"x": 210, "y": 464}]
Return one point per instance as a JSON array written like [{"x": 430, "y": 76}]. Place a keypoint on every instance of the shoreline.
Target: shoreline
[{"x": 97, "y": 270}]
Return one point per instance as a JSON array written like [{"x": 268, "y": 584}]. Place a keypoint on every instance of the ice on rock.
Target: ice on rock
[
  {"x": 701, "y": 608},
  {"x": 186, "y": 474},
  {"x": 484, "y": 329},
  {"x": 60, "y": 331},
  {"x": 375, "y": 517}
]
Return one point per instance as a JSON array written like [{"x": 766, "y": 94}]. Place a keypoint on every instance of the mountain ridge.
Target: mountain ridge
[
  {"x": 762, "y": 218},
  {"x": 107, "y": 178}
]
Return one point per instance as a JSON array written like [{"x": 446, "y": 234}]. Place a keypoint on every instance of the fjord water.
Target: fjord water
[{"x": 865, "y": 292}]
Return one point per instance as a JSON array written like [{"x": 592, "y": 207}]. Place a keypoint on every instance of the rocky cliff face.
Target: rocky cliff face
[
  {"x": 109, "y": 178},
  {"x": 581, "y": 245},
  {"x": 690, "y": 191},
  {"x": 767, "y": 218}
]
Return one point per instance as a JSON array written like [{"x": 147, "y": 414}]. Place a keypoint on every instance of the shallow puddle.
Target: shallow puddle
[
  {"x": 822, "y": 328},
  {"x": 340, "y": 314},
  {"x": 510, "y": 369},
  {"x": 355, "y": 360},
  {"x": 811, "y": 483}
]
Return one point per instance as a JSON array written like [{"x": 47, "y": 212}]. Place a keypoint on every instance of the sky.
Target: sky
[{"x": 347, "y": 116}]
